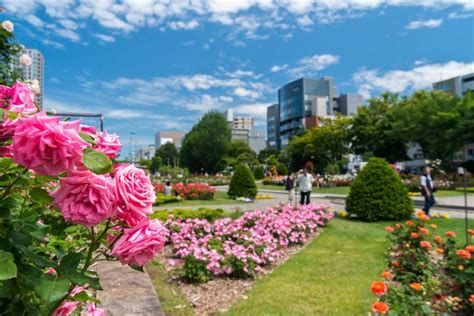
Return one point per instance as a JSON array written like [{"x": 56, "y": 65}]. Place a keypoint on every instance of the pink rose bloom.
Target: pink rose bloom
[
  {"x": 85, "y": 197},
  {"x": 89, "y": 130},
  {"x": 141, "y": 243},
  {"x": 135, "y": 194},
  {"x": 92, "y": 310},
  {"x": 67, "y": 307},
  {"x": 6, "y": 151},
  {"x": 107, "y": 143},
  {"x": 47, "y": 145},
  {"x": 51, "y": 271}
]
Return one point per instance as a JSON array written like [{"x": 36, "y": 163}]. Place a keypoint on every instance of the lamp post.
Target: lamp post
[{"x": 462, "y": 172}]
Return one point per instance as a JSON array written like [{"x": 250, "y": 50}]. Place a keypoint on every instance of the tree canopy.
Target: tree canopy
[{"x": 168, "y": 153}]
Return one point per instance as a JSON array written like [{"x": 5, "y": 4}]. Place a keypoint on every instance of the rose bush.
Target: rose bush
[{"x": 194, "y": 191}]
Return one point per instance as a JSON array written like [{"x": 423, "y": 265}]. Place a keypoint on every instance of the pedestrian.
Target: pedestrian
[
  {"x": 427, "y": 189},
  {"x": 290, "y": 186},
  {"x": 168, "y": 187},
  {"x": 305, "y": 182}
]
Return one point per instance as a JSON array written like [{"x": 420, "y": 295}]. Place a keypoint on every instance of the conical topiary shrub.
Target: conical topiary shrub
[
  {"x": 379, "y": 194},
  {"x": 258, "y": 173},
  {"x": 242, "y": 183}
]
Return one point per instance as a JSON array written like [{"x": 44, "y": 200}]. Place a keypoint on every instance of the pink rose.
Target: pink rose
[
  {"x": 47, "y": 145},
  {"x": 6, "y": 151},
  {"x": 67, "y": 307},
  {"x": 141, "y": 243},
  {"x": 107, "y": 143},
  {"x": 85, "y": 197},
  {"x": 92, "y": 310},
  {"x": 135, "y": 194}
]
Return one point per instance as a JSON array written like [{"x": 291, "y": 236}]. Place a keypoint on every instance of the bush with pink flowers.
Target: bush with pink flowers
[
  {"x": 194, "y": 191},
  {"x": 240, "y": 248},
  {"x": 64, "y": 205}
]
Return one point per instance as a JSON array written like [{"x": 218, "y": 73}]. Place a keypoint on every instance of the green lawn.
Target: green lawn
[
  {"x": 332, "y": 276},
  {"x": 222, "y": 199},
  {"x": 345, "y": 190}
]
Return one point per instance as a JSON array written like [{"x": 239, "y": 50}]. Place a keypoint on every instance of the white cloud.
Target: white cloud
[
  {"x": 421, "y": 77},
  {"x": 105, "y": 38},
  {"x": 310, "y": 65},
  {"x": 53, "y": 44},
  {"x": 34, "y": 20},
  {"x": 125, "y": 114},
  {"x": 69, "y": 34},
  {"x": 432, "y": 23},
  {"x": 54, "y": 80},
  {"x": 257, "y": 110},
  {"x": 278, "y": 68},
  {"x": 181, "y": 25},
  {"x": 246, "y": 93},
  {"x": 304, "y": 21}
]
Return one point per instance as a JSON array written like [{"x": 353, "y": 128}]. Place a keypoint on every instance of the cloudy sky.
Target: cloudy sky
[{"x": 151, "y": 65}]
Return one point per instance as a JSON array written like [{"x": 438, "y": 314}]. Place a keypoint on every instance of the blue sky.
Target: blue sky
[{"x": 159, "y": 65}]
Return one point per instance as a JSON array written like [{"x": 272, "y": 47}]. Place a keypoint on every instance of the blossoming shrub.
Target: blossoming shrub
[
  {"x": 427, "y": 272},
  {"x": 194, "y": 191},
  {"x": 378, "y": 194},
  {"x": 240, "y": 248},
  {"x": 64, "y": 205},
  {"x": 201, "y": 213}
]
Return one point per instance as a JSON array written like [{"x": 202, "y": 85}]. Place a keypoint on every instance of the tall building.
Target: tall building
[
  {"x": 163, "y": 137},
  {"x": 146, "y": 152},
  {"x": 35, "y": 71},
  {"x": 257, "y": 141},
  {"x": 240, "y": 126},
  {"x": 301, "y": 105},
  {"x": 459, "y": 85},
  {"x": 273, "y": 126}
]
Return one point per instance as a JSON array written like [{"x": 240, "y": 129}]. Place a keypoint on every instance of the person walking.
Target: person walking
[
  {"x": 290, "y": 186},
  {"x": 427, "y": 189},
  {"x": 305, "y": 182}
]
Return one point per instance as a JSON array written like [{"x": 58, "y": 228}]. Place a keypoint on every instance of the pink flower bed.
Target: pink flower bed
[
  {"x": 194, "y": 191},
  {"x": 240, "y": 248}
]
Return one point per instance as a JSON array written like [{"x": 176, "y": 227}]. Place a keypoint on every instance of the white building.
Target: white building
[
  {"x": 163, "y": 137},
  {"x": 35, "y": 71}
]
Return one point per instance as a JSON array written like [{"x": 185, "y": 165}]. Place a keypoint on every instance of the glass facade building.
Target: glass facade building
[{"x": 273, "y": 126}]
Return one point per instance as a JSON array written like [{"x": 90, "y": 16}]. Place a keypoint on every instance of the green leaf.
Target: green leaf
[
  {"x": 88, "y": 138},
  {"x": 69, "y": 263},
  {"x": 52, "y": 288},
  {"x": 82, "y": 279},
  {"x": 96, "y": 161},
  {"x": 6, "y": 288},
  {"x": 41, "y": 196},
  {"x": 5, "y": 162},
  {"x": 8, "y": 267}
]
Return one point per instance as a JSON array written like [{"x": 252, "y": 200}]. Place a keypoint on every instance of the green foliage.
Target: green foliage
[
  {"x": 155, "y": 164},
  {"x": 267, "y": 152},
  {"x": 206, "y": 144},
  {"x": 163, "y": 199},
  {"x": 468, "y": 189},
  {"x": 96, "y": 161},
  {"x": 242, "y": 183},
  {"x": 201, "y": 213},
  {"x": 282, "y": 170},
  {"x": 8, "y": 265},
  {"x": 173, "y": 172},
  {"x": 195, "y": 270},
  {"x": 258, "y": 173},
  {"x": 168, "y": 153},
  {"x": 240, "y": 153},
  {"x": 378, "y": 194},
  {"x": 9, "y": 49}
]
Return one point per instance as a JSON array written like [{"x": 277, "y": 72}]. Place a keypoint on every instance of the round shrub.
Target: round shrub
[
  {"x": 258, "y": 173},
  {"x": 242, "y": 183},
  {"x": 282, "y": 170},
  {"x": 378, "y": 194}
]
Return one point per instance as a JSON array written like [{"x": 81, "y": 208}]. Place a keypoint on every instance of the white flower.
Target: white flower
[
  {"x": 35, "y": 87},
  {"x": 25, "y": 60},
  {"x": 8, "y": 26}
]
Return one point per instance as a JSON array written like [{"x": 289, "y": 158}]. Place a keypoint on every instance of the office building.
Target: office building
[
  {"x": 240, "y": 126},
  {"x": 458, "y": 86},
  {"x": 146, "y": 152},
  {"x": 163, "y": 137},
  {"x": 273, "y": 126},
  {"x": 348, "y": 103},
  {"x": 257, "y": 141},
  {"x": 35, "y": 71}
]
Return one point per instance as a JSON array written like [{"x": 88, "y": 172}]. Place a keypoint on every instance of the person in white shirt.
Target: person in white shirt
[
  {"x": 427, "y": 189},
  {"x": 305, "y": 182}
]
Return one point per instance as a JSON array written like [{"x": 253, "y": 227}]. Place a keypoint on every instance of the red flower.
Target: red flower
[
  {"x": 378, "y": 288},
  {"x": 424, "y": 231},
  {"x": 416, "y": 286},
  {"x": 463, "y": 254},
  {"x": 414, "y": 235},
  {"x": 396, "y": 264},
  {"x": 425, "y": 244},
  {"x": 389, "y": 229},
  {"x": 380, "y": 307},
  {"x": 451, "y": 234},
  {"x": 470, "y": 248},
  {"x": 438, "y": 239},
  {"x": 387, "y": 275},
  {"x": 409, "y": 223},
  {"x": 471, "y": 298}
]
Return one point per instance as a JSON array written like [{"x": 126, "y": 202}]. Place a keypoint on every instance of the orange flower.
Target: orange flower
[
  {"x": 439, "y": 250},
  {"x": 470, "y": 231},
  {"x": 382, "y": 308},
  {"x": 398, "y": 226},
  {"x": 387, "y": 275},
  {"x": 471, "y": 298},
  {"x": 416, "y": 286},
  {"x": 434, "y": 226},
  {"x": 409, "y": 223},
  {"x": 389, "y": 229},
  {"x": 396, "y": 264},
  {"x": 425, "y": 244},
  {"x": 451, "y": 234},
  {"x": 414, "y": 235},
  {"x": 463, "y": 254},
  {"x": 378, "y": 288},
  {"x": 424, "y": 231},
  {"x": 470, "y": 248},
  {"x": 425, "y": 218},
  {"x": 438, "y": 239}
]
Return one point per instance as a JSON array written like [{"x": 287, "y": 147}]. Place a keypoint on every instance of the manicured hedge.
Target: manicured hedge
[{"x": 242, "y": 183}]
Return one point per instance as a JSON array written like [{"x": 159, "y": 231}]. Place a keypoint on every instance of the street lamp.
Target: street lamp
[{"x": 462, "y": 172}]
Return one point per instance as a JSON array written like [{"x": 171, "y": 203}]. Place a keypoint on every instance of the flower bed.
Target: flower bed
[
  {"x": 275, "y": 180},
  {"x": 240, "y": 248},
  {"x": 427, "y": 273},
  {"x": 194, "y": 191},
  {"x": 201, "y": 213}
]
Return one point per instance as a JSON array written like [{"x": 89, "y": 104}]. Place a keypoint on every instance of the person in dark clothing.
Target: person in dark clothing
[
  {"x": 427, "y": 190},
  {"x": 290, "y": 186}
]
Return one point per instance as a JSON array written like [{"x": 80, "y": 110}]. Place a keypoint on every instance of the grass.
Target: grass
[
  {"x": 331, "y": 276},
  {"x": 345, "y": 190},
  {"x": 221, "y": 199}
]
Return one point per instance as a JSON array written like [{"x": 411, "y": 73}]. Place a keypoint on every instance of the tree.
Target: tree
[
  {"x": 206, "y": 144},
  {"x": 168, "y": 153},
  {"x": 9, "y": 49},
  {"x": 240, "y": 153},
  {"x": 282, "y": 170},
  {"x": 322, "y": 145},
  {"x": 267, "y": 152},
  {"x": 373, "y": 130},
  {"x": 145, "y": 163},
  {"x": 242, "y": 183},
  {"x": 155, "y": 164},
  {"x": 379, "y": 194},
  {"x": 258, "y": 173}
]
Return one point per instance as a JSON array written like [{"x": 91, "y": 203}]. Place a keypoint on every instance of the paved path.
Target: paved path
[{"x": 126, "y": 291}]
